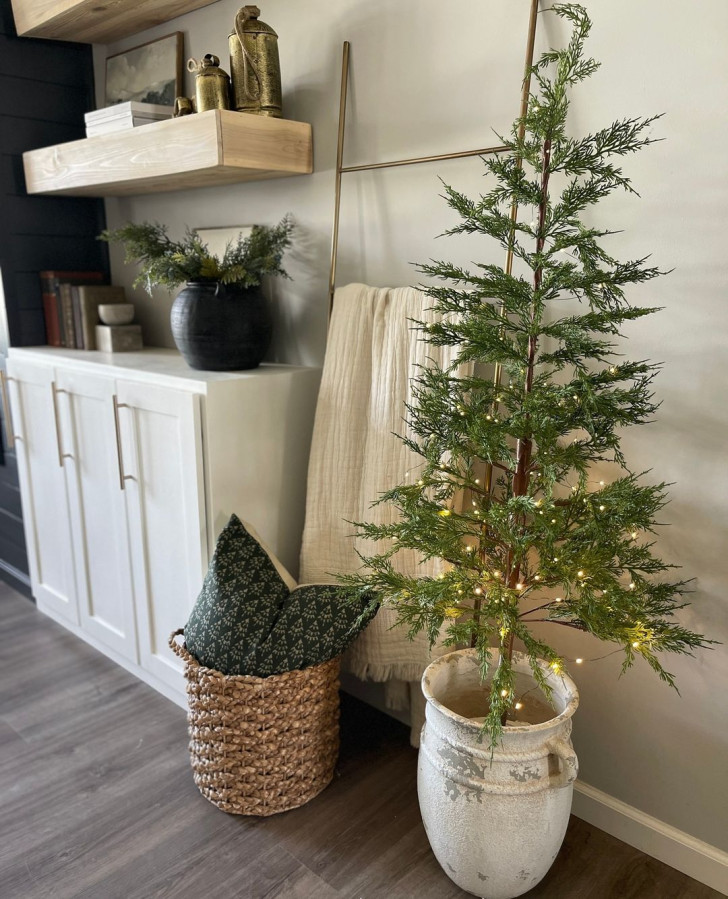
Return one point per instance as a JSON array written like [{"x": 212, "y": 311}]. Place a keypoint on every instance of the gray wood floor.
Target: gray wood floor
[{"x": 97, "y": 801}]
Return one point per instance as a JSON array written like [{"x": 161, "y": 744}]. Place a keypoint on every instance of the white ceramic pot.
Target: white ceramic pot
[{"x": 495, "y": 821}]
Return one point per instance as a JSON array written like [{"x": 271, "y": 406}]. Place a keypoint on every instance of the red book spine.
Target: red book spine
[
  {"x": 50, "y": 281},
  {"x": 50, "y": 309}
]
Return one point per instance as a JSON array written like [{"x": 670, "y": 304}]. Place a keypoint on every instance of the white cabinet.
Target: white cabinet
[
  {"x": 97, "y": 524},
  {"x": 43, "y": 489},
  {"x": 162, "y": 465},
  {"x": 130, "y": 466}
]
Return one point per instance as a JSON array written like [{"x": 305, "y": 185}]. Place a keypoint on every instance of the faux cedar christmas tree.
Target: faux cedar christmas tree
[{"x": 536, "y": 540}]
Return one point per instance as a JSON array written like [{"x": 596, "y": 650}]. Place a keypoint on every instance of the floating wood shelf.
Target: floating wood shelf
[
  {"x": 95, "y": 21},
  {"x": 215, "y": 147}
]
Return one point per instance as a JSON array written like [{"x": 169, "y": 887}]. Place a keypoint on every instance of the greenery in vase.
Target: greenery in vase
[
  {"x": 537, "y": 539},
  {"x": 169, "y": 263}
]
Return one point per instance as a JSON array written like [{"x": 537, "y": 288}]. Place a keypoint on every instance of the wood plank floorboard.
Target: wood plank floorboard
[{"x": 97, "y": 802}]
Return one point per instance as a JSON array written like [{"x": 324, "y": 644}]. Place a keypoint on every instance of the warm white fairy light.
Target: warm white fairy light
[
  {"x": 518, "y": 705},
  {"x": 559, "y": 599},
  {"x": 478, "y": 591},
  {"x": 580, "y": 573},
  {"x": 632, "y": 585},
  {"x": 537, "y": 577},
  {"x": 602, "y": 508},
  {"x": 601, "y": 483},
  {"x": 636, "y": 644},
  {"x": 519, "y": 586},
  {"x": 553, "y": 521},
  {"x": 504, "y": 693},
  {"x": 496, "y": 573},
  {"x": 633, "y": 535},
  {"x": 578, "y": 661}
]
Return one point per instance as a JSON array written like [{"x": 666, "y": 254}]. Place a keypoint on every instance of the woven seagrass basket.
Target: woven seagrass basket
[{"x": 261, "y": 745}]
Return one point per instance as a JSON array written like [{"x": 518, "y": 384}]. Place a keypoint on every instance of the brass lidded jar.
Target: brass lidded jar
[
  {"x": 254, "y": 65},
  {"x": 212, "y": 84}
]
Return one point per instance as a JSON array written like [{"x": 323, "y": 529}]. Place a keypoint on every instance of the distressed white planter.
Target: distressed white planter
[{"x": 494, "y": 823}]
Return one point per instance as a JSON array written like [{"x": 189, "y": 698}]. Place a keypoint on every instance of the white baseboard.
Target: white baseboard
[{"x": 674, "y": 847}]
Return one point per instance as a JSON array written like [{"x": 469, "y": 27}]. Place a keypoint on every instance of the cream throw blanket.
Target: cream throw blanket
[{"x": 373, "y": 352}]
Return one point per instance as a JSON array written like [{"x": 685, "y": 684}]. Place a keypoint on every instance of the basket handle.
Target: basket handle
[{"x": 178, "y": 650}]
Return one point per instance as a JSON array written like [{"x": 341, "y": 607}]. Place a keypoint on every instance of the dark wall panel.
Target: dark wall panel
[
  {"x": 51, "y": 62},
  {"x": 35, "y": 252},
  {"x": 45, "y": 89}
]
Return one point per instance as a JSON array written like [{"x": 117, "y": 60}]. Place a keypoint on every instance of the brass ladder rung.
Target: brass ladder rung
[{"x": 341, "y": 169}]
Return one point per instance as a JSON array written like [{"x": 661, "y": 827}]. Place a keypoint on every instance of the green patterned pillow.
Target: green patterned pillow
[
  {"x": 243, "y": 592},
  {"x": 316, "y": 623}
]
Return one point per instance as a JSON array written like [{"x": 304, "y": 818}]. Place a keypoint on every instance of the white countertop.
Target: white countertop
[{"x": 152, "y": 363}]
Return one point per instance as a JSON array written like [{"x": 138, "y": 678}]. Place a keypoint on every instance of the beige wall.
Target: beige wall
[{"x": 428, "y": 78}]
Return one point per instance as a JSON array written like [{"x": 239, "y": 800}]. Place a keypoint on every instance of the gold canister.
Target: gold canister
[
  {"x": 212, "y": 84},
  {"x": 255, "y": 69},
  {"x": 183, "y": 106}
]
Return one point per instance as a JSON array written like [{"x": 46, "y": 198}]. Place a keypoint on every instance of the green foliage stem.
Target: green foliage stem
[{"x": 169, "y": 263}]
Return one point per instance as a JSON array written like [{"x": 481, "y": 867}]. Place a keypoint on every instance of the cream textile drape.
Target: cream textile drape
[{"x": 373, "y": 352}]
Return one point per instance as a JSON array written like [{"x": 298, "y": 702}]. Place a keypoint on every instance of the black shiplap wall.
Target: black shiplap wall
[{"x": 45, "y": 89}]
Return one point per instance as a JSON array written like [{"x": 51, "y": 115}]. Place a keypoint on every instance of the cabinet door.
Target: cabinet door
[
  {"x": 163, "y": 467},
  {"x": 41, "y": 459},
  {"x": 98, "y": 512}
]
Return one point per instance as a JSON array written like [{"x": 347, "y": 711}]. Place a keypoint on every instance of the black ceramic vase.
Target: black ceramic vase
[{"x": 221, "y": 327}]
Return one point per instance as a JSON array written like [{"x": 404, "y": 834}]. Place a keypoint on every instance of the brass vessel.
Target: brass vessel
[
  {"x": 212, "y": 84},
  {"x": 183, "y": 106},
  {"x": 254, "y": 65}
]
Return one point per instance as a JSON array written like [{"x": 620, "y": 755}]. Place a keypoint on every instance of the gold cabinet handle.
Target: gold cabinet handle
[
  {"x": 59, "y": 442},
  {"x": 9, "y": 430},
  {"x": 119, "y": 453}
]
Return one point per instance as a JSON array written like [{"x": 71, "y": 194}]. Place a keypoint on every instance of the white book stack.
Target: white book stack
[{"x": 123, "y": 116}]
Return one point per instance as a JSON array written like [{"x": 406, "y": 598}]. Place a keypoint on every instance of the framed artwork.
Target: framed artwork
[
  {"x": 149, "y": 73},
  {"x": 217, "y": 239}
]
